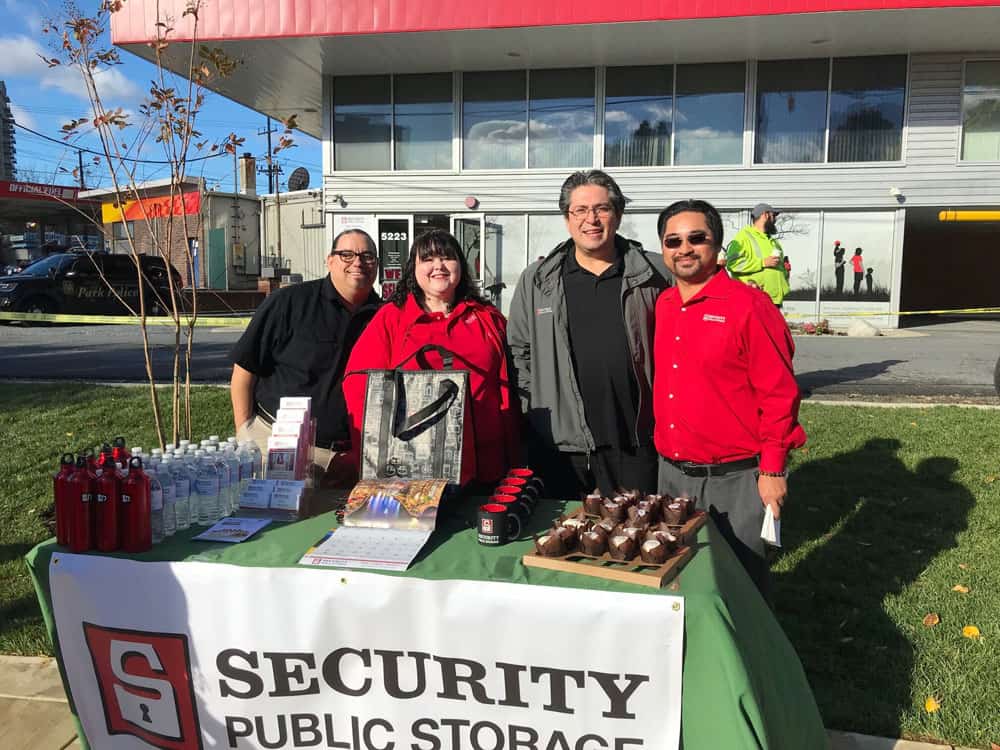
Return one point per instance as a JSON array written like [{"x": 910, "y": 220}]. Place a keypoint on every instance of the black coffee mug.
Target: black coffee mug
[
  {"x": 518, "y": 511},
  {"x": 493, "y": 524}
]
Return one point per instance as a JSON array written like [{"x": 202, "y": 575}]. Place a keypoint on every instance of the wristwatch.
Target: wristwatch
[{"x": 783, "y": 473}]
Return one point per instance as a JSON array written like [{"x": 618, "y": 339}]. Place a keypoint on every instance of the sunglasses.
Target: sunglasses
[
  {"x": 694, "y": 239},
  {"x": 348, "y": 256}
]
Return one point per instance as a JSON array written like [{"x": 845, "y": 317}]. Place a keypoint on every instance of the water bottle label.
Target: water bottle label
[
  {"x": 207, "y": 487},
  {"x": 84, "y": 497},
  {"x": 182, "y": 488},
  {"x": 126, "y": 498},
  {"x": 156, "y": 500},
  {"x": 168, "y": 493},
  {"x": 102, "y": 498}
]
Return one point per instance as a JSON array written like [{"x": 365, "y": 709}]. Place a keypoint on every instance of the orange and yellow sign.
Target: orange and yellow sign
[{"x": 152, "y": 208}]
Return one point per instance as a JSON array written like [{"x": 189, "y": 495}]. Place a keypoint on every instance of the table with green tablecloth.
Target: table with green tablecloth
[{"x": 743, "y": 684}]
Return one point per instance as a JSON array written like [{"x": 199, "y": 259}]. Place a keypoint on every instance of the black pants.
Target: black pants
[
  {"x": 839, "y": 273},
  {"x": 608, "y": 469},
  {"x": 733, "y": 502},
  {"x": 858, "y": 277}
]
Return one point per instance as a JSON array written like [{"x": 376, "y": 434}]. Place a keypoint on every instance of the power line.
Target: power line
[{"x": 117, "y": 158}]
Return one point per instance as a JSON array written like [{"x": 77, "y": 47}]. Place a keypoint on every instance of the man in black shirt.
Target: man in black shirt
[
  {"x": 297, "y": 345},
  {"x": 581, "y": 338}
]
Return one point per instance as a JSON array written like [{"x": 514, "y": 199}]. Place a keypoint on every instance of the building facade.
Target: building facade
[
  {"x": 860, "y": 121},
  {"x": 8, "y": 149}
]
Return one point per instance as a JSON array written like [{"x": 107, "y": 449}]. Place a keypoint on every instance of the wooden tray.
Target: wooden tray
[{"x": 632, "y": 571}]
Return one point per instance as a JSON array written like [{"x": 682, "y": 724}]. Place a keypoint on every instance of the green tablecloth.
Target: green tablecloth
[{"x": 744, "y": 687}]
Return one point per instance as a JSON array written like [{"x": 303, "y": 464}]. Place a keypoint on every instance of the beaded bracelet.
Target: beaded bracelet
[{"x": 773, "y": 473}]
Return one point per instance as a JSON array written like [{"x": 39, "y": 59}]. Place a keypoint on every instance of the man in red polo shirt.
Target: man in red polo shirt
[{"x": 725, "y": 400}]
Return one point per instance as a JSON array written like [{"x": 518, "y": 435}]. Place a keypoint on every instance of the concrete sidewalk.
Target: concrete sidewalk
[{"x": 34, "y": 714}]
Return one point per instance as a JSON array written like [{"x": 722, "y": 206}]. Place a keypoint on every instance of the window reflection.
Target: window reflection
[
  {"x": 362, "y": 118},
  {"x": 866, "y": 108},
  {"x": 494, "y": 114},
  {"x": 981, "y": 111},
  {"x": 561, "y": 117},
  {"x": 423, "y": 126},
  {"x": 710, "y": 107},
  {"x": 638, "y": 116},
  {"x": 791, "y": 111}
]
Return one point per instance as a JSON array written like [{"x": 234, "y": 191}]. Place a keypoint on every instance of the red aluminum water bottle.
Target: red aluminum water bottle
[
  {"x": 60, "y": 494},
  {"x": 135, "y": 519},
  {"x": 82, "y": 484},
  {"x": 120, "y": 452},
  {"x": 106, "y": 510}
]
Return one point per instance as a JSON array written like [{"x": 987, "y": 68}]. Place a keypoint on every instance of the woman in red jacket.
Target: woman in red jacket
[{"x": 436, "y": 302}]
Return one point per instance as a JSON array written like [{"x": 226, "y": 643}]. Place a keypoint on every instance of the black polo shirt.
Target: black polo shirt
[
  {"x": 601, "y": 356},
  {"x": 297, "y": 345}
]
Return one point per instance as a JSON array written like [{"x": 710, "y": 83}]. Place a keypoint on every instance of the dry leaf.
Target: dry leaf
[
  {"x": 932, "y": 704},
  {"x": 913, "y": 424},
  {"x": 971, "y": 631},
  {"x": 990, "y": 479},
  {"x": 963, "y": 566},
  {"x": 960, "y": 588},
  {"x": 931, "y": 619}
]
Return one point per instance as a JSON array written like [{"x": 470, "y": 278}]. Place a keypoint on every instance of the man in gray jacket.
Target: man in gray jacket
[{"x": 581, "y": 337}]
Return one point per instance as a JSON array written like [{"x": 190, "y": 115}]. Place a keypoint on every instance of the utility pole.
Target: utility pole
[
  {"x": 270, "y": 172},
  {"x": 79, "y": 158},
  {"x": 274, "y": 172}
]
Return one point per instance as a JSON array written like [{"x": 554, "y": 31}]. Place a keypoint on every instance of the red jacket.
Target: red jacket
[{"x": 477, "y": 334}]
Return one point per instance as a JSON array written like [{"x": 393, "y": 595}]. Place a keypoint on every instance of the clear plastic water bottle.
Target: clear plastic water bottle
[
  {"x": 235, "y": 486},
  {"x": 213, "y": 439},
  {"x": 225, "y": 485},
  {"x": 166, "y": 477},
  {"x": 182, "y": 492},
  {"x": 208, "y": 489},
  {"x": 169, "y": 448},
  {"x": 185, "y": 466},
  {"x": 183, "y": 444},
  {"x": 245, "y": 455},
  {"x": 155, "y": 505},
  {"x": 258, "y": 460}
]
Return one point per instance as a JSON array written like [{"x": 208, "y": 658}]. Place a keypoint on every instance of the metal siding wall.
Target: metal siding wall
[{"x": 930, "y": 176}]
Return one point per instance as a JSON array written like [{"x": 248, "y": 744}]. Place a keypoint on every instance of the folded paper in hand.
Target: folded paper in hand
[{"x": 770, "y": 530}]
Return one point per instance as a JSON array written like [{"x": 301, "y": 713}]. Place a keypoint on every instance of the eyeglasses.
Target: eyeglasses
[
  {"x": 348, "y": 256},
  {"x": 601, "y": 211},
  {"x": 694, "y": 239}
]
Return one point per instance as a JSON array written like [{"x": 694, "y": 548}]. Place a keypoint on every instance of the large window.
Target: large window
[
  {"x": 561, "y": 117},
  {"x": 981, "y": 111},
  {"x": 494, "y": 116},
  {"x": 866, "y": 109},
  {"x": 638, "y": 113},
  {"x": 791, "y": 110},
  {"x": 423, "y": 112},
  {"x": 710, "y": 104},
  {"x": 810, "y": 112},
  {"x": 362, "y": 118}
]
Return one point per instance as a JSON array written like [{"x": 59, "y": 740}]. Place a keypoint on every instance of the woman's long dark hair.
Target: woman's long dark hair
[{"x": 435, "y": 243}]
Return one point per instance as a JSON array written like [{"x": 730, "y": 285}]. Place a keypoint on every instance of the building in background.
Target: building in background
[
  {"x": 859, "y": 120},
  {"x": 221, "y": 230},
  {"x": 8, "y": 150}
]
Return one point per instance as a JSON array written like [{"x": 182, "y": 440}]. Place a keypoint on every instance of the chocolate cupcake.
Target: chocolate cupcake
[
  {"x": 613, "y": 510},
  {"x": 605, "y": 526},
  {"x": 635, "y": 533},
  {"x": 666, "y": 537},
  {"x": 568, "y": 536},
  {"x": 688, "y": 503},
  {"x": 654, "y": 551},
  {"x": 622, "y": 547},
  {"x": 550, "y": 545},
  {"x": 593, "y": 543},
  {"x": 675, "y": 513},
  {"x": 576, "y": 523},
  {"x": 592, "y": 504},
  {"x": 639, "y": 516}
]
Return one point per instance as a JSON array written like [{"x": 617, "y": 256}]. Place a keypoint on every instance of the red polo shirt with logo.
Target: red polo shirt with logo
[{"x": 723, "y": 386}]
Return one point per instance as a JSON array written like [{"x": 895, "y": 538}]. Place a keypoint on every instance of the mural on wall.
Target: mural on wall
[
  {"x": 799, "y": 234},
  {"x": 856, "y": 258}
]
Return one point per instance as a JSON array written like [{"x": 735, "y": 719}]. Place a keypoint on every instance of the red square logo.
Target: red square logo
[
  {"x": 487, "y": 525},
  {"x": 145, "y": 684}
]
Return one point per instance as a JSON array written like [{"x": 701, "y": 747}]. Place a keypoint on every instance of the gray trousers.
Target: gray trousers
[{"x": 733, "y": 502}]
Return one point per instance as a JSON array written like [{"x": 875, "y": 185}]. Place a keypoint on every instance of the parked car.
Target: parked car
[{"x": 81, "y": 283}]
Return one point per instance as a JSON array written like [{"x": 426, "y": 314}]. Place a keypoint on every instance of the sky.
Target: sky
[{"x": 44, "y": 99}]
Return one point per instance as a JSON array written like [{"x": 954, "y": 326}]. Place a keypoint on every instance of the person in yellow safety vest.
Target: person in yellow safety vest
[{"x": 756, "y": 258}]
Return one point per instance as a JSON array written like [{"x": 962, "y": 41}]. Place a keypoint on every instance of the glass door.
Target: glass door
[{"x": 469, "y": 231}]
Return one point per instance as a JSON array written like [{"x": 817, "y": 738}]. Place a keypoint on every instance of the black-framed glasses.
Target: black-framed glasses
[
  {"x": 601, "y": 211},
  {"x": 695, "y": 239},
  {"x": 348, "y": 256}
]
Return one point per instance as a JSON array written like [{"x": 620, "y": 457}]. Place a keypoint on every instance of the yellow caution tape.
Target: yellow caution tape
[
  {"x": 883, "y": 313},
  {"x": 202, "y": 321}
]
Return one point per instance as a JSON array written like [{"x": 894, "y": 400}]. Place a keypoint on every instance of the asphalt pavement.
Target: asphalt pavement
[{"x": 950, "y": 361}]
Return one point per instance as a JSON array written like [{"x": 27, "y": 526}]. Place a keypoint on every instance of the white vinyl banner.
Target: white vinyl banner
[{"x": 199, "y": 655}]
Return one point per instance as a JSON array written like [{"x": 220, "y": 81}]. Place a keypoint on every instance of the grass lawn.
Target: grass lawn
[{"x": 890, "y": 509}]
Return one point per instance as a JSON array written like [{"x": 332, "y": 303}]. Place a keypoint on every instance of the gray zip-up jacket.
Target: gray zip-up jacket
[{"x": 538, "y": 336}]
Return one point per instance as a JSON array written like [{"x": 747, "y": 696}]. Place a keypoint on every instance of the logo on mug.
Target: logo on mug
[
  {"x": 145, "y": 684},
  {"x": 487, "y": 524}
]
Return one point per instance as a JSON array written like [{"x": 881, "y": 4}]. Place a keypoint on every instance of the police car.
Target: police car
[{"x": 86, "y": 283}]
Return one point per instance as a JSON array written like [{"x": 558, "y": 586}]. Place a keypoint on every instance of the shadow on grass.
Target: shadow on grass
[{"x": 861, "y": 528}]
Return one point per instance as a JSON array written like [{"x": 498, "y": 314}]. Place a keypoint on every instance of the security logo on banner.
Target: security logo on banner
[{"x": 145, "y": 685}]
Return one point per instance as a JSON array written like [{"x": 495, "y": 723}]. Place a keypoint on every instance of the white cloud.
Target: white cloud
[
  {"x": 23, "y": 117},
  {"x": 21, "y": 57}
]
